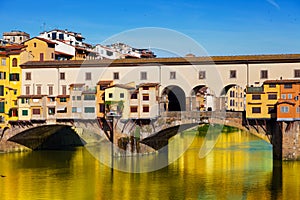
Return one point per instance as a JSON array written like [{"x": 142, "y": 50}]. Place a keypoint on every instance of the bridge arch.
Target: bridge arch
[
  {"x": 174, "y": 98},
  {"x": 54, "y": 136},
  {"x": 202, "y": 98}
]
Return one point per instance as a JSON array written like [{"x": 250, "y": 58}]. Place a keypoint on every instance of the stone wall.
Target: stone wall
[{"x": 290, "y": 140}]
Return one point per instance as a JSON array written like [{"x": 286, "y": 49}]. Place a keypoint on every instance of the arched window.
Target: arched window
[{"x": 14, "y": 62}]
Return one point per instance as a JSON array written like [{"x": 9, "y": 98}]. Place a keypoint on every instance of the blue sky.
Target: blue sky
[{"x": 222, "y": 27}]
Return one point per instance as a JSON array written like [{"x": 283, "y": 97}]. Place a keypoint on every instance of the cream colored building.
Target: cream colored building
[
  {"x": 184, "y": 74},
  {"x": 144, "y": 101},
  {"x": 235, "y": 99},
  {"x": 16, "y": 36},
  {"x": 117, "y": 99}
]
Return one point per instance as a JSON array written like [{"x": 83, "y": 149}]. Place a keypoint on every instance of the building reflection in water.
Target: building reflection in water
[{"x": 239, "y": 167}]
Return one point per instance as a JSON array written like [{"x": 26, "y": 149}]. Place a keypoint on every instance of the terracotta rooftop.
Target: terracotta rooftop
[
  {"x": 104, "y": 82},
  {"x": 77, "y": 84},
  {"x": 284, "y": 81},
  {"x": 43, "y": 39},
  {"x": 122, "y": 86},
  {"x": 276, "y": 58},
  {"x": 148, "y": 84}
]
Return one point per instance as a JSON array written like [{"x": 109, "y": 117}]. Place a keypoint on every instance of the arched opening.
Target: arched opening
[
  {"x": 203, "y": 99},
  {"x": 174, "y": 98},
  {"x": 233, "y": 98}
]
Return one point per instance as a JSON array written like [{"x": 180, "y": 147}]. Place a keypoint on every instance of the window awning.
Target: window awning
[{"x": 61, "y": 108}]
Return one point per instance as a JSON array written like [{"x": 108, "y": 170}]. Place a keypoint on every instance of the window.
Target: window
[
  {"x": 74, "y": 109},
  {"x": 27, "y": 90},
  {"x": 298, "y": 109},
  {"x": 116, "y": 75},
  {"x": 2, "y": 75},
  {"x": 290, "y": 96},
  {"x": 63, "y": 99},
  {"x": 202, "y": 75},
  {"x": 134, "y": 96},
  {"x": 145, "y": 88},
  {"x": 232, "y": 74},
  {"x": 109, "y": 53},
  {"x": 232, "y": 102},
  {"x": 256, "y": 97},
  {"x": 23, "y": 101},
  {"x": 62, "y": 76},
  {"x": 284, "y": 109},
  {"x": 283, "y": 96},
  {"x": 51, "y": 99},
  {"x": 272, "y": 86},
  {"x": 143, "y": 75},
  {"x": 133, "y": 109},
  {"x": 270, "y": 109},
  {"x": 34, "y": 44},
  {"x": 14, "y": 77},
  {"x": 38, "y": 89},
  {"x": 172, "y": 75},
  {"x": 110, "y": 95},
  {"x": 231, "y": 93},
  {"x": 2, "y": 107},
  {"x": 3, "y": 62},
  {"x": 36, "y": 111},
  {"x": 145, "y": 97},
  {"x": 287, "y": 86},
  {"x": 89, "y": 97},
  {"x": 52, "y": 55},
  {"x": 122, "y": 95},
  {"x": 272, "y": 96},
  {"x": 50, "y": 90},
  {"x": 1, "y": 90},
  {"x": 14, "y": 62},
  {"x": 51, "y": 111},
  {"x": 64, "y": 89},
  {"x": 256, "y": 110},
  {"x": 54, "y": 36},
  {"x": 297, "y": 73},
  {"x": 89, "y": 109},
  {"x": 73, "y": 98},
  {"x": 102, "y": 107},
  {"x": 264, "y": 74},
  {"x": 28, "y": 76},
  {"x": 24, "y": 112},
  {"x": 88, "y": 76},
  {"x": 78, "y": 98},
  {"x": 61, "y": 36},
  {"x": 145, "y": 108}
]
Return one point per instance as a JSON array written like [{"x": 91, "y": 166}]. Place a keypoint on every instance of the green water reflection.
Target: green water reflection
[{"x": 239, "y": 167}]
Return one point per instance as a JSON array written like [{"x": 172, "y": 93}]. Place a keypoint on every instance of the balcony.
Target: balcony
[{"x": 255, "y": 89}]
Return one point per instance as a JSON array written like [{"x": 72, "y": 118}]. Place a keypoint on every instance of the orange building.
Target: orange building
[{"x": 288, "y": 106}]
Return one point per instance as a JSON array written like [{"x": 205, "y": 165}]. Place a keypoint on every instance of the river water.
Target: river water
[{"x": 239, "y": 167}]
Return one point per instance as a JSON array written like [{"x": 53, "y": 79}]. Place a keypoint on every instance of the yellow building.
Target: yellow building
[
  {"x": 10, "y": 83},
  {"x": 38, "y": 49},
  {"x": 117, "y": 99},
  {"x": 100, "y": 97},
  {"x": 260, "y": 101}
]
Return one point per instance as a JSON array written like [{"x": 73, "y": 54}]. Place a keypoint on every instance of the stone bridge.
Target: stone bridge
[
  {"x": 284, "y": 136},
  {"x": 24, "y": 136}
]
